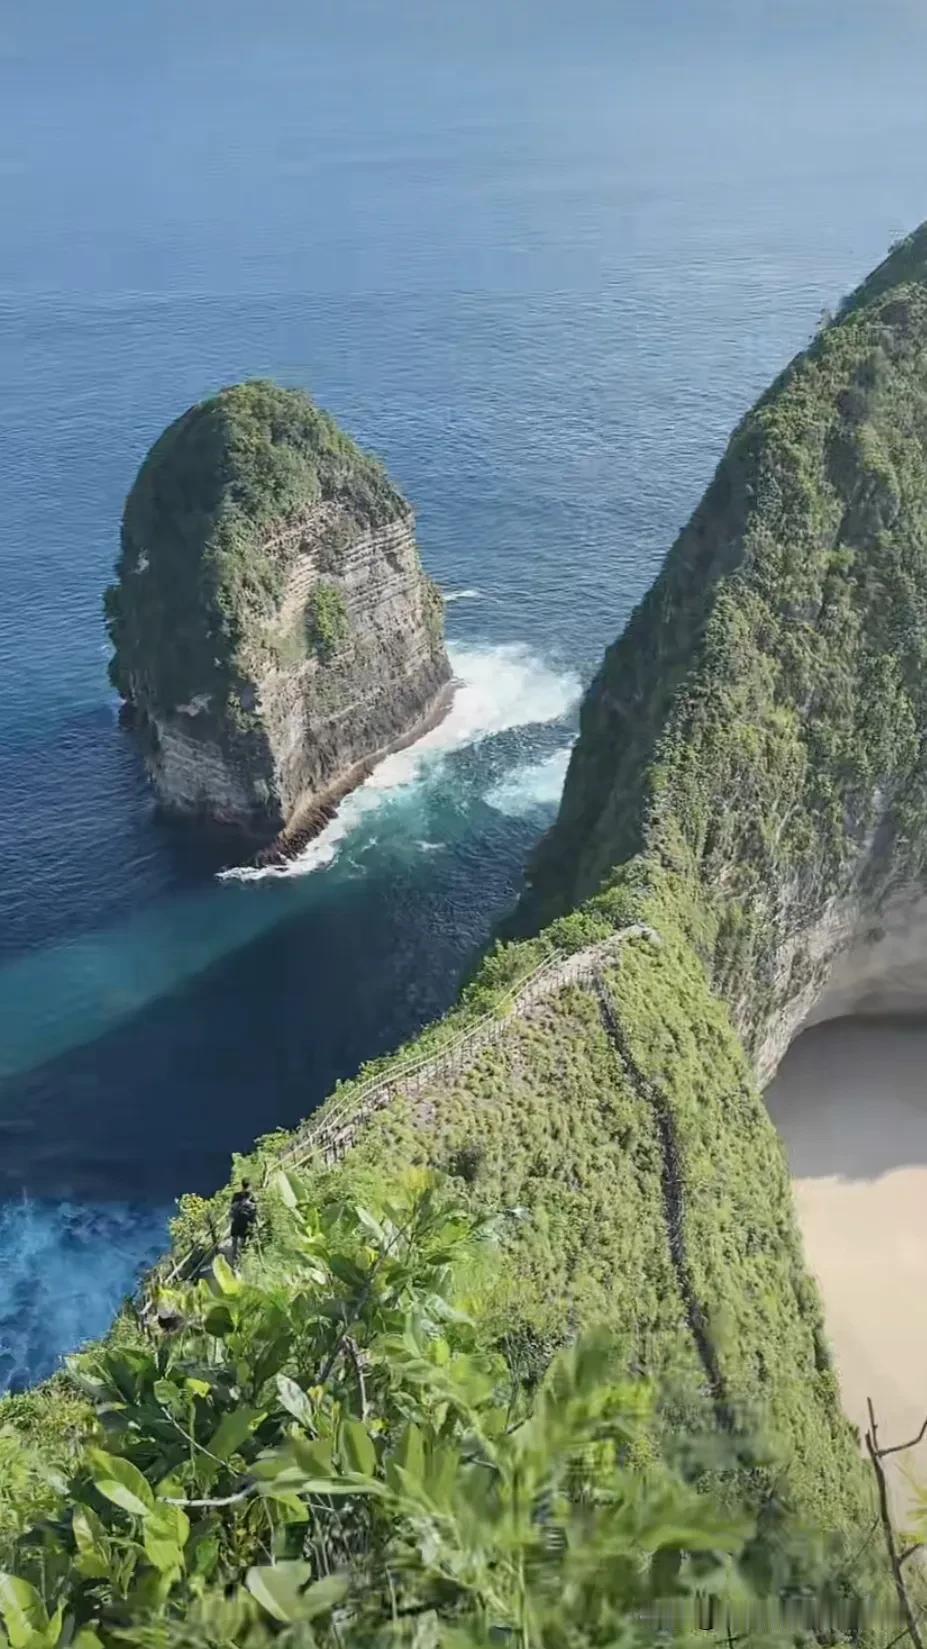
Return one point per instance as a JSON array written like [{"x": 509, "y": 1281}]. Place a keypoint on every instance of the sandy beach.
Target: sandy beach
[{"x": 850, "y": 1101}]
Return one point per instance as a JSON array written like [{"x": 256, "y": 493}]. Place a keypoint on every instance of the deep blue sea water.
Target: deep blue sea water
[{"x": 540, "y": 257}]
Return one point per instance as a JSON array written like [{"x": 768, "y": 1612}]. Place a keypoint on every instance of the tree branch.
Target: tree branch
[
  {"x": 222, "y": 1500},
  {"x": 904, "y": 1602},
  {"x": 898, "y": 1448}
]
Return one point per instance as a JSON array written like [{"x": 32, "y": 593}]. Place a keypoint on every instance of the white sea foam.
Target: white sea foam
[
  {"x": 498, "y": 688},
  {"x": 536, "y": 784},
  {"x": 463, "y": 595}
]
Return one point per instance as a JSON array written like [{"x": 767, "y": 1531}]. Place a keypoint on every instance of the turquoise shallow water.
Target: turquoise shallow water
[{"x": 540, "y": 259}]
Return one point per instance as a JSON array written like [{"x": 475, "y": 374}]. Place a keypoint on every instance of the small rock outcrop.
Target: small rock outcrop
[
  {"x": 759, "y": 732},
  {"x": 273, "y": 630}
]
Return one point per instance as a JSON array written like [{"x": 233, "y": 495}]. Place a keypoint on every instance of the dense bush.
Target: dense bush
[
  {"x": 328, "y": 1450},
  {"x": 326, "y": 621},
  {"x": 197, "y": 572},
  {"x": 764, "y": 710}
]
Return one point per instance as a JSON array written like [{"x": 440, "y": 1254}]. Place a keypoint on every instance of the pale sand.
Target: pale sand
[{"x": 850, "y": 1101}]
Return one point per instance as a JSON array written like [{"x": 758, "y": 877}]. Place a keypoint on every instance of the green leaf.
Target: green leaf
[
  {"x": 218, "y": 1322},
  {"x": 348, "y": 1271},
  {"x": 282, "y": 1184},
  {"x": 91, "y": 1385},
  {"x": 121, "y": 1482},
  {"x": 88, "y": 1530},
  {"x": 225, "y": 1277},
  {"x": 290, "y": 1479},
  {"x": 92, "y": 1546},
  {"x": 372, "y": 1225},
  {"x": 165, "y": 1535},
  {"x": 232, "y": 1431},
  {"x": 410, "y": 1453},
  {"x": 315, "y": 1456},
  {"x": 22, "y": 1609},
  {"x": 284, "y": 1590},
  {"x": 322, "y": 1596},
  {"x": 87, "y": 1639},
  {"x": 169, "y": 1396},
  {"x": 357, "y": 1449},
  {"x": 294, "y": 1400},
  {"x": 278, "y": 1588},
  {"x": 289, "y": 1506},
  {"x": 203, "y": 1554}
]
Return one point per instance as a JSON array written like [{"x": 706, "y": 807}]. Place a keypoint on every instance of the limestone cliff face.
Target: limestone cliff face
[
  {"x": 759, "y": 729},
  {"x": 273, "y": 628}
]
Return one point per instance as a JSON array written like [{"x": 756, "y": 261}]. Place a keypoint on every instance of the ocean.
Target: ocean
[{"x": 540, "y": 257}]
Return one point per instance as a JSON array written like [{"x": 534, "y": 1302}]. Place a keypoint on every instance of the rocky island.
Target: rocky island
[
  {"x": 273, "y": 630},
  {"x": 741, "y": 845}
]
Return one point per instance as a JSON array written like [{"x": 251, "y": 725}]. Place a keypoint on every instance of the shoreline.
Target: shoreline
[
  {"x": 850, "y": 1106},
  {"x": 309, "y": 819}
]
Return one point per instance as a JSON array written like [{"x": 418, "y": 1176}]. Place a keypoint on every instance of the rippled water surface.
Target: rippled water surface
[{"x": 539, "y": 257}]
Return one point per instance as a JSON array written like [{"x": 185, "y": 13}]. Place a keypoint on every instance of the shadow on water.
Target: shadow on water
[
  {"x": 52, "y": 838},
  {"x": 157, "y": 1103},
  {"x": 97, "y": 1143}
]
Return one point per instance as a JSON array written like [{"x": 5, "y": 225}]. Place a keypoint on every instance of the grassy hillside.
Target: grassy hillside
[
  {"x": 758, "y": 729},
  {"x": 636, "y": 1191},
  {"x": 381, "y": 1434}
]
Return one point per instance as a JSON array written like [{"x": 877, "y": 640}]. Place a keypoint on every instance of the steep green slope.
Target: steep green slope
[
  {"x": 758, "y": 729},
  {"x": 220, "y": 477},
  {"x": 604, "y": 1118},
  {"x": 747, "y": 794}
]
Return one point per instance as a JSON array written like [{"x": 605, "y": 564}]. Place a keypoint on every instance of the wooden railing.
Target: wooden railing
[{"x": 330, "y": 1132}]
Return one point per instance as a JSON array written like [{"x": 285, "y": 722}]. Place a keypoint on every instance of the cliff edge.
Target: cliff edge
[
  {"x": 273, "y": 629},
  {"x": 741, "y": 844},
  {"x": 759, "y": 728}
]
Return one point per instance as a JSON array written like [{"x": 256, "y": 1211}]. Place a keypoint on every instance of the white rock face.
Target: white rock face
[
  {"x": 314, "y": 719},
  {"x": 883, "y": 971},
  {"x": 863, "y": 961}
]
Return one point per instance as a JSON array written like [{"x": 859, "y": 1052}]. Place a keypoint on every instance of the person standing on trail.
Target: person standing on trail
[{"x": 243, "y": 1218}]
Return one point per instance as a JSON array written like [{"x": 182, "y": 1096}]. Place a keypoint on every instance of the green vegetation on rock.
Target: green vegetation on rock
[
  {"x": 326, "y": 621},
  {"x": 758, "y": 729},
  {"x": 202, "y": 571},
  {"x": 337, "y": 1448},
  {"x": 416, "y": 1436}
]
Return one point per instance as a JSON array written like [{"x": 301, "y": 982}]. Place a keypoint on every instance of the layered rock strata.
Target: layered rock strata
[{"x": 274, "y": 631}]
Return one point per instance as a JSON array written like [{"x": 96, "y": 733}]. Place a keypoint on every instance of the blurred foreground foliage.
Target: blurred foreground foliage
[{"x": 338, "y": 1447}]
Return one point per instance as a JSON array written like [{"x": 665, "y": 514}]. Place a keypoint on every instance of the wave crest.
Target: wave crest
[{"x": 499, "y": 688}]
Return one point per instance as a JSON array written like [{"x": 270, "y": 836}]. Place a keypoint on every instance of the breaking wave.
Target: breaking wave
[
  {"x": 65, "y": 1270},
  {"x": 533, "y": 786},
  {"x": 66, "y": 995},
  {"x": 499, "y": 688}
]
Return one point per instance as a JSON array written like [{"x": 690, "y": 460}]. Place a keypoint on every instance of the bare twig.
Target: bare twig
[
  {"x": 897, "y": 1638},
  {"x": 909, "y": 1552},
  {"x": 903, "y": 1633},
  {"x": 876, "y": 1455},
  {"x": 222, "y": 1500},
  {"x": 189, "y": 1438},
  {"x": 898, "y": 1448}
]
